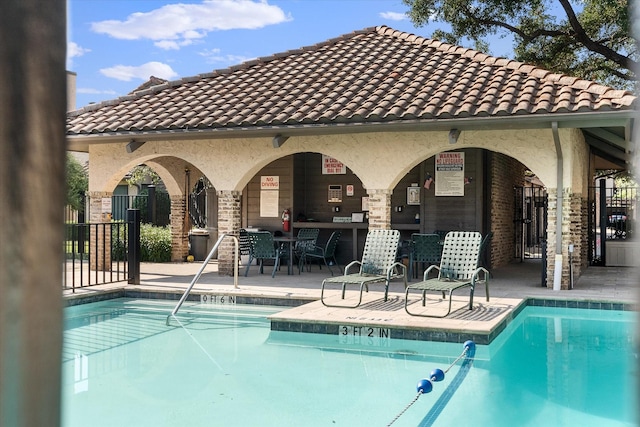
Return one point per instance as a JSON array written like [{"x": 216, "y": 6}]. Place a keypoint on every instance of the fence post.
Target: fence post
[
  {"x": 82, "y": 233},
  {"x": 133, "y": 251},
  {"x": 603, "y": 221},
  {"x": 151, "y": 204},
  {"x": 543, "y": 278}
]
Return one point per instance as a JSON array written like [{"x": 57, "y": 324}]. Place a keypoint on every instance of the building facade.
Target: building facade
[{"x": 411, "y": 133}]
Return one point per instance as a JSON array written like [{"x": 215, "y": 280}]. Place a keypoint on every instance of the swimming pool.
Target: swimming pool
[{"x": 222, "y": 366}]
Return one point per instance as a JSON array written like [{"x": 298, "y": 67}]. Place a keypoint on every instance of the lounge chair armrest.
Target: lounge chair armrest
[
  {"x": 391, "y": 269},
  {"x": 484, "y": 271},
  {"x": 350, "y": 265},
  {"x": 429, "y": 269},
  {"x": 484, "y": 279}
]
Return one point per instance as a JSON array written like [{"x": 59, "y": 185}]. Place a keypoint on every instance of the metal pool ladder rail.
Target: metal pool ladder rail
[{"x": 204, "y": 264}]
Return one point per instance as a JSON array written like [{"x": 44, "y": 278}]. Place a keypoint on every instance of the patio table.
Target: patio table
[{"x": 290, "y": 241}]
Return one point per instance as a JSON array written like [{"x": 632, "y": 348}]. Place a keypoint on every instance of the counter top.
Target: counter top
[{"x": 351, "y": 225}]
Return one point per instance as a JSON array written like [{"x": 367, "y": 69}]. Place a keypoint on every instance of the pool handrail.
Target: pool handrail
[{"x": 204, "y": 264}]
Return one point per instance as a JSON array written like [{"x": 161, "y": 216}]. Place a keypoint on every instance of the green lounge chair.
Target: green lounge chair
[
  {"x": 458, "y": 269},
  {"x": 378, "y": 264}
]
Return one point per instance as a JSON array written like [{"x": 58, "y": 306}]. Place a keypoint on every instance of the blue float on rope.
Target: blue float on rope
[
  {"x": 437, "y": 375},
  {"x": 471, "y": 348},
  {"x": 424, "y": 386}
]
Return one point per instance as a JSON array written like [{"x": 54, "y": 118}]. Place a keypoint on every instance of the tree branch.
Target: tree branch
[{"x": 591, "y": 45}]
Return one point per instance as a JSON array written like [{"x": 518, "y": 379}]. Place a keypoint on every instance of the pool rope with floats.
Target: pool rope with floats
[{"x": 425, "y": 385}]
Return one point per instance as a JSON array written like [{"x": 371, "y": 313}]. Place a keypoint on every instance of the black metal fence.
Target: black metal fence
[
  {"x": 530, "y": 222},
  {"x": 154, "y": 208},
  {"x": 612, "y": 216},
  {"x": 102, "y": 253}
]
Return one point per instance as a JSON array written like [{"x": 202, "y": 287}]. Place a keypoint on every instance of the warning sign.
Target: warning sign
[
  {"x": 450, "y": 174},
  {"x": 270, "y": 182},
  {"x": 331, "y": 166}
]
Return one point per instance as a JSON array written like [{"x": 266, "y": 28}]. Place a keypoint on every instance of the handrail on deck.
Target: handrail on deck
[{"x": 204, "y": 264}]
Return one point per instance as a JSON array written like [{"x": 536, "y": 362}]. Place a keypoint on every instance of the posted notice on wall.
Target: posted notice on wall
[
  {"x": 269, "y": 204},
  {"x": 269, "y": 193},
  {"x": 450, "y": 174},
  {"x": 331, "y": 166}
]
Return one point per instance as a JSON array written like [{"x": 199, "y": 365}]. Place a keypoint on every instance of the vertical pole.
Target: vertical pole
[
  {"x": 151, "y": 204},
  {"x": 602, "y": 201},
  {"x": 133, "y": 252},
  {"x": 557, "y": 271},
  {"x": 82, "y": 234}
]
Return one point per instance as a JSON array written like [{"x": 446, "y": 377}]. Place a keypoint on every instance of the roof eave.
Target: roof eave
[{"x": 538, "y": 121}]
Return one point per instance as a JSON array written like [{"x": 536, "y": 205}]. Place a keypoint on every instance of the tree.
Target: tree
[
  {"x": 77, "y": 183},
  {"x": 141, "y": 174},
  {"x": 590, "y": 39}
]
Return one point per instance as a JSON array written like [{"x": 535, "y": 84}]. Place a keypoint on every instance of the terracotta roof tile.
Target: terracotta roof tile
[{"x": 373, "y": 75}]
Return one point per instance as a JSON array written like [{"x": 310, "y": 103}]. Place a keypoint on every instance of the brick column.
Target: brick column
[
  {"x": 573, "y": 232},
  {"x": 179, "y": 231},
  {"x": 99, "y": 234},
  {"x": 229, "y": 222},
  {"x": 380, "y": 209},
  {"x": 578, "y": 233}
]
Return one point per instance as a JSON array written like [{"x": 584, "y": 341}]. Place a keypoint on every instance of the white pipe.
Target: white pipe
[{"x": 557, "y": 273}]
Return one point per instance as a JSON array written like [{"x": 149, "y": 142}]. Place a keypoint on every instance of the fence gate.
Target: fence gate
[
  {"x": 530, "y": 222},
  {"x": 612, "y": 218}
]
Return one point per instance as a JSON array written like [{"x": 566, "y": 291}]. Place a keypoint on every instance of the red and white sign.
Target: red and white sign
[
  {"x": 270, "y": 182},
  {"x": 450, "y": 174},
  {"x": 331, "y": 166}
]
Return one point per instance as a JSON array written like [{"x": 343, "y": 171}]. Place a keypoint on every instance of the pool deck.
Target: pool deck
[{"x": 511, "y": 288}]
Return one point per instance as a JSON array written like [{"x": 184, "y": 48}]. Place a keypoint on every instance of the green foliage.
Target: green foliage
[
  {"x": 155, "y": 243},
  {"x": 163, "y": 207},
  {"x": 77, "y": 183},
  {"x": 590, "y": 39},
  {"x": 143, "y": 173}
]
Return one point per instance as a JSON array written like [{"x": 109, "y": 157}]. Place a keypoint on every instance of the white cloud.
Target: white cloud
[
  {"x": 142, "y": 72},
  {"x": 394, "y": 16},
  {"x": 175, "y": 25},
  {"x": 214, "y": 56},
  {"x": 74, "y": 50},
  {"x": 172, "y": 44}
]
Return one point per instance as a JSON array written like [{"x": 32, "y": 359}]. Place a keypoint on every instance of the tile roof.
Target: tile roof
[{"x": 376, "y": 75}]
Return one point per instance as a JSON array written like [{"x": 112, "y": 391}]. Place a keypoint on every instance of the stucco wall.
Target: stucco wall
[{"x": 380, "y": 159}]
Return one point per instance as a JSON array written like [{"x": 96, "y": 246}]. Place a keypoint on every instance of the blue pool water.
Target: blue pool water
[{"x": 222, "y": 366}]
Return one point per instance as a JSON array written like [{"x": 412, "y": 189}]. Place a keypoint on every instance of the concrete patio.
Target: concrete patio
[{"x": 511, "y": 288}]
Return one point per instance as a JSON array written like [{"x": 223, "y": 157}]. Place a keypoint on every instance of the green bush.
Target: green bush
[
  {"x": 118, "y": 246},
  {"x": 155, "y": 243}
]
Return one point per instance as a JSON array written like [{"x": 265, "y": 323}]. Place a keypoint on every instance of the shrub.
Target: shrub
[{"x": 155, "y": 243}]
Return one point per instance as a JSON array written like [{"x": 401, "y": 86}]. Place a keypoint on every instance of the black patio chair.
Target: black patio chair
[
  {"x": 263, "y": 247},
  {"x": 423, "y": 249},
  {"x": 326, "y": 254},
  {"x": 307, "y": 240}
]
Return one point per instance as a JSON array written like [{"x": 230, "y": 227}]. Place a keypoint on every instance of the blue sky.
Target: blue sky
[{"x": 116, "y": 45}]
